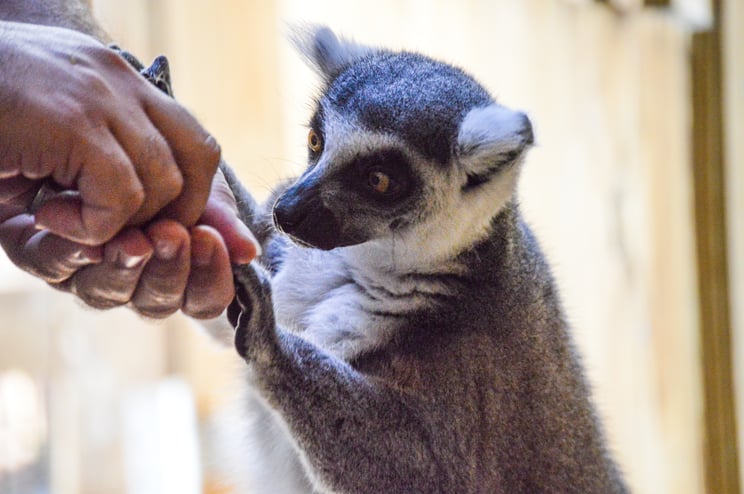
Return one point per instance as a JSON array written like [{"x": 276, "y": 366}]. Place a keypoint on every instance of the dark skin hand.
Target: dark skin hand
[
  {"x": 93, "y": 125},
  {"x": 155, "y": 270},
  {"x": 145, "y": 221}
]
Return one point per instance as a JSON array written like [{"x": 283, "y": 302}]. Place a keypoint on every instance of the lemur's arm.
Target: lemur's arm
[{"x": 362, "y": 435}]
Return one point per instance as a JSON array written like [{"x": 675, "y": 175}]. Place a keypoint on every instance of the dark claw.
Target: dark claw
[
  {"x": 158, "y": 73},
  {"x": 233, "y": 312},
  {"x": 239, "y": 311},
  {"x": 242, "y": 296},
  {"x": 240, "y": 339}
]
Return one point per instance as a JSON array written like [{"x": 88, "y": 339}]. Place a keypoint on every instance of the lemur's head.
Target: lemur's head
[{"x": 401, "y": 147}]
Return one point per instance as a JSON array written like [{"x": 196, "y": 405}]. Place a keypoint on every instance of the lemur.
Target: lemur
[{"x": 402, "y": 330}]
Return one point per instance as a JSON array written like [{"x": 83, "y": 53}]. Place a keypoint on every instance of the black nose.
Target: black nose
[
  {"x": 301, "y": 214},
  {"x": 289, "y": 214}
]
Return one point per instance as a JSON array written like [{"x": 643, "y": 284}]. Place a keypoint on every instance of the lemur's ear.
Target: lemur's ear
[
  {"x": 325, "y": 52},
  {"x": 489, "y": 139}
]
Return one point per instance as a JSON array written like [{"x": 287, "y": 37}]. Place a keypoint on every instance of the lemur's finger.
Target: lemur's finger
[
  {"x": 161, "y": 286},
  {"x": 242, "y": 310},
  {"x": 210, "y": 285},
  {"x": 233, "y": 312},
  {"x": 244, "y": 284}
]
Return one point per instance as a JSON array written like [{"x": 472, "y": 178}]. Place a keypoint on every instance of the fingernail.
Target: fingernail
[
  {"x": 124, "y": 260},
  {"x": 167, "y": 251},
  {"x": 87, "y": 255},
  {"x": 131, "y": 262},
  {"x": 201, "y": 253}
]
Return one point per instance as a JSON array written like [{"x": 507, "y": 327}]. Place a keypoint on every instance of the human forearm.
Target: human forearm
[{"x": 73, "y": 14}]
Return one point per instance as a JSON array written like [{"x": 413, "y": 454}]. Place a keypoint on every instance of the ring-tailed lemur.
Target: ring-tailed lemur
[{"x": 410, "y": 339}]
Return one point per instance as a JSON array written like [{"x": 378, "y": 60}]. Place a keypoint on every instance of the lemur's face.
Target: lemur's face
[
  {"x": 359, "y": 186},
  {"x": 399, "y": 143}
]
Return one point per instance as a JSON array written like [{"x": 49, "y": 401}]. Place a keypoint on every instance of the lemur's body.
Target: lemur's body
[
  {"x": 415, "y": 342},
  {"x": 481, "y": 394}
]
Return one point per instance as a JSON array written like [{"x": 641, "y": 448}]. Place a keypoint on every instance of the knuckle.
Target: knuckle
[
  {"x": 167, "y": 178},
  {"x": 171, "y": 184},
  {"x": 95, "y": 82},
  {"x": 163, "y": 177},
  {"x": 133, "y": 199}
]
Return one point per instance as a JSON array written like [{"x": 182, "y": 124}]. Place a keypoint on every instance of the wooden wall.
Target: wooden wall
[{"x": 608, "y": 187}]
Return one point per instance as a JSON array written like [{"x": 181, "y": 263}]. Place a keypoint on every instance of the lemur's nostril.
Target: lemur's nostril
[{"x": 284, "y": 218}]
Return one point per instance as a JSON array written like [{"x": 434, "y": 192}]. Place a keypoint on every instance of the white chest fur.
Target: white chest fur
[
  {"x": 316, "y": 296},
  {"x": 341, "y": 307}
]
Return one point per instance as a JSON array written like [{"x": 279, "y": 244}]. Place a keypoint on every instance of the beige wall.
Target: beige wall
[{"x": 607, "y": 187}]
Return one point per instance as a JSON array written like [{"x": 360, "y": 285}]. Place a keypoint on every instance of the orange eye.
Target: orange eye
[
  {"x": 379, "y": 181},
  {"x": 314, "y": 141}
]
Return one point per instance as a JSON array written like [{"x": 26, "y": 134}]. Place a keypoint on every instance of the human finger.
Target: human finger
[
  {"x": 43, "y": 254},
  {"x": 108, "y": 192},
  {"x": 161, "y": 287},
  {"x": 40, "y": 253},
  {"x": 156, "y": 168},
  {"x": 196, "y": 152},
  {"x": 221, "y": 213},
  {"x": 16, "y": 193},
  {"x": 112, "y": 282},
  {"x": 210, "y": 287}
]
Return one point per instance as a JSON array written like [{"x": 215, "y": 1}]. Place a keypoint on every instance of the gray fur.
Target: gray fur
[{"x": 416, "y": 344}]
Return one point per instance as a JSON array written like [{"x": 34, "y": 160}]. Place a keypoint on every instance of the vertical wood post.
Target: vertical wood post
[{"x": 721, "y": 460}]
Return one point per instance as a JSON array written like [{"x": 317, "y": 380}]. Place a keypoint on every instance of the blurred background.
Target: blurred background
[{"x": 637, "y": 108}]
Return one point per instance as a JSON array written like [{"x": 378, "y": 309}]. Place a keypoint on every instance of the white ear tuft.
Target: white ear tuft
[
  {"x": 325, "y": 52},
  {"x": 491, "y": 137}
]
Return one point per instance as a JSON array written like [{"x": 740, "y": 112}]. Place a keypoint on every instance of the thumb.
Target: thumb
[{"x": 221, "y": 213}]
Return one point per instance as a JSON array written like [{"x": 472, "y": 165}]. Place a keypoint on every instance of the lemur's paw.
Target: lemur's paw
[{"x": 251, "y": 312}]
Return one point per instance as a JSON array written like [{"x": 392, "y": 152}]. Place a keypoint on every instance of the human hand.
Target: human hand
[
  {"x": 74, "y": 112},
  {"x": 156, "y": 270}
]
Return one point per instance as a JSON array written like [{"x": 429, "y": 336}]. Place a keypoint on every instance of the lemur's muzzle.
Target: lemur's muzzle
[{"x": 300, "y": 213}]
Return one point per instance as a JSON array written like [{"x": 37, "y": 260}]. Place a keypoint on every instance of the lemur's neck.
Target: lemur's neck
[
  {"x": 395, "y": 259},
  {"x": 383, "y": 267}
]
